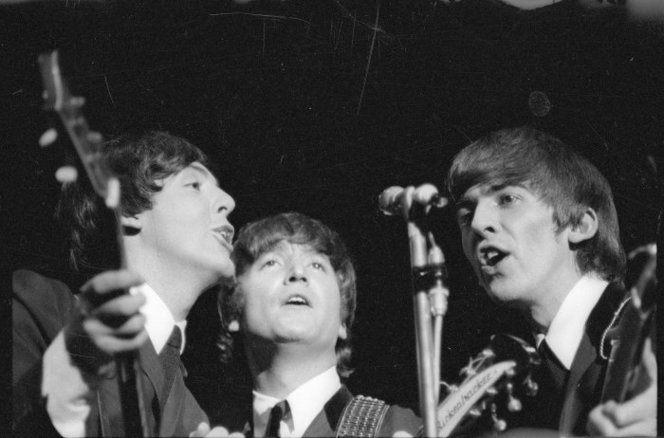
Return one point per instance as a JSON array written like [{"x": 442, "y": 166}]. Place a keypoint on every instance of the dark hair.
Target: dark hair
[
  {"x": 564, "y": 179},
  {"x": 256, "y": 238},
  {"x": 139, "y": 161}
]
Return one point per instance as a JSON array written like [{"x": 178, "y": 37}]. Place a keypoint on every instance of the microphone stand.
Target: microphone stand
[{"x": 426, "y": 277}]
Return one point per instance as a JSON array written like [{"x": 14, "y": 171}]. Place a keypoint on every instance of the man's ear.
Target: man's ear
[
  {"x": 586, "y": 228},
  {"x": 131, "y": 223}
]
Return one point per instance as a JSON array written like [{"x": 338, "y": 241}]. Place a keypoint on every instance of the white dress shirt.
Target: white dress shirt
[
  {"x": 63, "y": 383},
  {"x": 567, "y": 327},
  {"x": 305, "y": 404}
]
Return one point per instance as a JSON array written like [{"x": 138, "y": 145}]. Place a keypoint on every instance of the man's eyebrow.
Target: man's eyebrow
[
  {"x": 467, "y": 201},
  {"x": 204, "y": 171},
  {"x": 498, "y": 187}
]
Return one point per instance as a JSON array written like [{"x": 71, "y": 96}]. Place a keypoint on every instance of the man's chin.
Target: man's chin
[
  {"x": 498, "y": 292},
  {"x": 226, "y": 271}
]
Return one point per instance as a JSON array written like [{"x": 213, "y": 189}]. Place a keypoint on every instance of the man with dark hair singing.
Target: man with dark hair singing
[
  {"x": 293, "y": 305},
  {"x": 540, "y": 229},
  {"x": 177, "y": 242}
]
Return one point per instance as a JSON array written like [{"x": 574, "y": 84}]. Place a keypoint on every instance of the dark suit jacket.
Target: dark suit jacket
[
  {"x": 326, "y": 422},
  {"x": 41, "y": 308},
  {"x": 567, "y": 410}
]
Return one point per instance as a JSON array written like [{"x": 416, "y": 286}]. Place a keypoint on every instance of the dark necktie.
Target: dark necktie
[
  {"x": 170, "y": 359},
  {"x": 276, "y": 415},
  {"x": 543, "y": 411},
  {"x": 557, "y": 371}
]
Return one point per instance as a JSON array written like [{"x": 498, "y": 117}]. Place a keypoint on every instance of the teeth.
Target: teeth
[
  {"x": 224, "y": 234},
  {"x": 492, "y": 256},
  {"x": 296, "y": 300}
]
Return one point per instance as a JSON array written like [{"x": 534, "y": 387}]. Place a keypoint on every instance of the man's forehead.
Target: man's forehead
[
  {"x": 202, "y": 170},
  {"x": 492, "y": 187},
  {"x": 287, "y": 246}
]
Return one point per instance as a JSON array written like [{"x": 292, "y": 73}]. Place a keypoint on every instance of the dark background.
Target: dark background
[{"x": 308, "y": 106}]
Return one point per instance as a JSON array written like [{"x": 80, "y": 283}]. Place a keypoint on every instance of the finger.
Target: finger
[
  {"x": 634, "y": 410},
  {"x": 217, "y": 432},
  {"x": 129, "y": 336},
  {"x": 127, "y": 328},
  {"x": 201, "y": 431},
  {"x": 649, "y": 360},
  {"x": 112, "y": 345},
  {"x": 599, "y": 423},
  {"x": 124, "y": 305},
  {"x": 641, "y": 428},
  {"x": 112, "y": 280},
  {"x": 108, "y": 285},
  {"x": 96, "y": 328}
]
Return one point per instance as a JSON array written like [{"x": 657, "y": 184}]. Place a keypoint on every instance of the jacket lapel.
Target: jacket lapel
[
  {"x": 325, "y": 423},
  {"x": 587, "y": 367},
  {"x": 153, "y": 381},
  {"x": 572, "y": 403}
]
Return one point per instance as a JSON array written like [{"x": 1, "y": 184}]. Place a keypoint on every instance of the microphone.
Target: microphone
[{"x": 395, "y": 200}]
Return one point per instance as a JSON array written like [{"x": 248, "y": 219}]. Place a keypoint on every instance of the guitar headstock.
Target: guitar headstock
[
  {"x": 58, "y": 98},
  {"x": 643, "y": 268},
  {"x": 492, "y": 376}
]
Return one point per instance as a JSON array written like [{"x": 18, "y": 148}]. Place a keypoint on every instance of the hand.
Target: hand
[
  {"x": 109, "y": 321},
  {"x": 637, "y": 416},
  {"x": 204, "y": 430}
]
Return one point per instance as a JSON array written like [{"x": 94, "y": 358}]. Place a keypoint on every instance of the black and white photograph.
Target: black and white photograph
[{"x": 313, "y": 218}]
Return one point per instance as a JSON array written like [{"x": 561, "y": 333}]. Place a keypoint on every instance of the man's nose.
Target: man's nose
[
  {"x": 224, "y": 203},
  {"x": 485, "y": 219},
  {"x": 297, "y": 273}
]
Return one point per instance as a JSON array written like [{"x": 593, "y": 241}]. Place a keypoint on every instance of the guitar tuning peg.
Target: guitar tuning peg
[
  {"x": 66, "y": 174},
  {"x": 513, "y": 403},
  {"x": 531, "y": 386},
  {"x": 48, "y": 137},
  {"x": 499, "y": 425},
  {"x": 492, "y": 391}
]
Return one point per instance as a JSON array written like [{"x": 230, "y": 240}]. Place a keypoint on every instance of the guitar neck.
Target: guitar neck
[
  {"x": 623, "y": 376},
  {"x": 88, "y": 146}
]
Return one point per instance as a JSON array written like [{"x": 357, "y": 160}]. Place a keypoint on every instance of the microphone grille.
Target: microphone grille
[{"x": 386, "y": 199}]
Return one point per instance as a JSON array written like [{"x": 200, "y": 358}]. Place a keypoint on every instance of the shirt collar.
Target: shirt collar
[
  {"x": 159, "y": 320},
  {"x": 566, "y": 330},
  {"x": 305, "y": 403}
]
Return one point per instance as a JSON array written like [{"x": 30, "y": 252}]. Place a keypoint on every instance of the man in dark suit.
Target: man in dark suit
[
  {"x": 540, "y": 229},
  {"x": 292, "y": 309},
  {"x": 177, "y": 240}
]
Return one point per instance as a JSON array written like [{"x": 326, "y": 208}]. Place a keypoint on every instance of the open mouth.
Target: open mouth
[
  {"x": 491, "y": 256},
  {"x": 297, "y": 300},
  {"x": 225, "y": 233}
]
